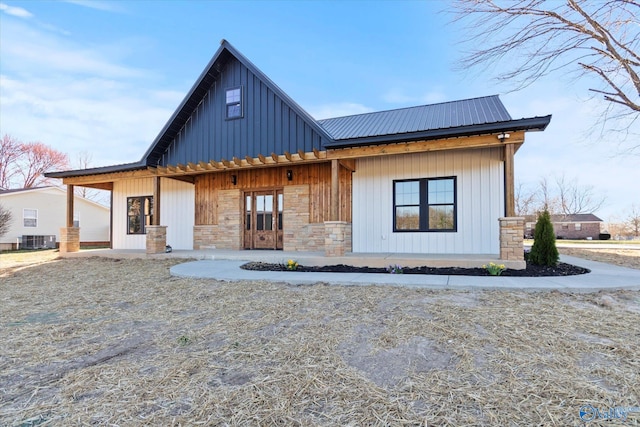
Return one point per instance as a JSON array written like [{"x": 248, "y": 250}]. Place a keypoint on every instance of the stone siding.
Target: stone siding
[
  {"x": 299, "y": 234},
  {"x": 227, "y": 234},
  {"x": 511, "y": 240},
  {"x": 156, "y": 239},
  {"x": 337, "y": 238},
  {"x": 69, "y": 239}
]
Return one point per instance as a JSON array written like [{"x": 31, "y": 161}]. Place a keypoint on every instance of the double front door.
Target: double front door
[{"x": 263, "y": 219}]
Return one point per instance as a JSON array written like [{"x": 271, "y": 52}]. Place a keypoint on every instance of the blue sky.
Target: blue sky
[{"x": 105, "y": 76}]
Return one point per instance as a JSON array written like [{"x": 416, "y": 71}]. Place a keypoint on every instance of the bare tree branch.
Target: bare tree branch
[{"x": 531, "y": 38}]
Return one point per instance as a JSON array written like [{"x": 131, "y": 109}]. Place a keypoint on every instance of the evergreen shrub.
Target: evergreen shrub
[{"x": 544, "y": 250}]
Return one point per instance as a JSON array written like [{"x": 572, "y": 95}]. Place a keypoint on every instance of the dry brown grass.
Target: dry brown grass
[
  {"x": 622, "y": 257},
  {"x": 121, "y": 342}
]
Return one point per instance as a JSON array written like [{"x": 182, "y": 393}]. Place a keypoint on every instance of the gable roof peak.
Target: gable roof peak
[{"x": 197, "y": 92}]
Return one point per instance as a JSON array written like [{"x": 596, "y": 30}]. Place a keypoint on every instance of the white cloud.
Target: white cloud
[
  {"x": 106, "y": 6},
  {"x": 75, "y": 97},
  {"x": 26, "y": 49},
  {"x": 15, "y": 11},
  {"x": 337, "y": 110}
]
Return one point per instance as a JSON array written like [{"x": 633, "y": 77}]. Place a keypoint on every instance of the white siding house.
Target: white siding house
[
  {"x": 261, "y": 173},
  {"x": 42, "y": 211},
  {"x": 176, "y": 208},
  {"x": 479, "y": 204}
]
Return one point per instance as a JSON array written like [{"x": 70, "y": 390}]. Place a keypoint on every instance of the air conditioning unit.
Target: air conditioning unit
[{"x": 38, "y": 242}]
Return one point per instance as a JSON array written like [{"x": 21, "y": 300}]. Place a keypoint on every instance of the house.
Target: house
[
  {"x": 38, "y": 212},
  {"x": 570, "y": 226},
  {"x": 240, "y": 165}
]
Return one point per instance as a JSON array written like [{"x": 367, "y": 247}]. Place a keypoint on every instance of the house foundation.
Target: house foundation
[
  {"x": 156, "y": 239},
  {"x": 512, "y": 241},
  {"x": 69, "y": 239}
]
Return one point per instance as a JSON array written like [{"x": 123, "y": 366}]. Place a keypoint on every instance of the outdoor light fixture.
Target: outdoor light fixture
[
  {"x": 503, "y": 136},
  {"x": 289, "y": 175},
  {"x": 234, "y": 179}
]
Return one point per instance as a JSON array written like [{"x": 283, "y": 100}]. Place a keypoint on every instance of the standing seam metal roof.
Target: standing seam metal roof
[{"x": 454, "y": 114}]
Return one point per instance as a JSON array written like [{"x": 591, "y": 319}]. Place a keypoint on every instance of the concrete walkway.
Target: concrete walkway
[{"x": 602, "y": 277}]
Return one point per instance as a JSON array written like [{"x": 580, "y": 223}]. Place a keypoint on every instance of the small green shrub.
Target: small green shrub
[
  {"x": 494, "y": 269},
  {"x": 184, "y": 340},
  {"x": 544, "y": 250}
]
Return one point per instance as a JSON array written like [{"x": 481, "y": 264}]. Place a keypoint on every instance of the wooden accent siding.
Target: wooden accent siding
[{"x": 316, "y": 175}]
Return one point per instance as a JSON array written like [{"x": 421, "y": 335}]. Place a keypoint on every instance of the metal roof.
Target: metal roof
[
  {"x": 467, "y": 117},
  {"x": 125, "y": 167},
  {"x": 445, "y": 115}
]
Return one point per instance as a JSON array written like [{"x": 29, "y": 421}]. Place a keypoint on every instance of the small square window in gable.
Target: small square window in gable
[{"x": 233, "y": 98}]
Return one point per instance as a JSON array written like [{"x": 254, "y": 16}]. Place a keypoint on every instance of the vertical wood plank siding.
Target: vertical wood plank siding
[
  {"x": 268, "y": 124},
  {"x": 480, "y": 202},
  {"x": 316, "y": 175}
]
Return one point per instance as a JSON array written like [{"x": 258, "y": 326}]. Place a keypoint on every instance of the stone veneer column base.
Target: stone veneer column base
[
  {"x": 69, "y": 239},
  {"x": 336, "y": 238},
  {"x": 156, "y": 239},
  {"x": 512, "y": 240}
]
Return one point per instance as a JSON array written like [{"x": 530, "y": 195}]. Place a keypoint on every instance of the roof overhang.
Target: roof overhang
[{"x": 527, "y": 124}]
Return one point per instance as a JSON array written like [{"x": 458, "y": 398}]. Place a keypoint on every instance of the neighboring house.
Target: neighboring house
[
  {"x": 240, "y": 165},
  {"x": 38, "y": 213},
  {"x": 575, "y": 226}
]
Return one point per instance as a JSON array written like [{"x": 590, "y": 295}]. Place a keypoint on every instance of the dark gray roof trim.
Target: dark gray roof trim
[
  {"x": 198, "y": 91},
  {"x": 588, "y": 217},
  {"x": 125, "y": 167},
  {"x": 530, "y": 124}
]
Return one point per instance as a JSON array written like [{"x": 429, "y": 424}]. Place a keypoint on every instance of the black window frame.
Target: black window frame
[
  {"x": 142, "y": 216},
  {"x": 239, "y": 103},
  {"x": 424, "y": 205}
]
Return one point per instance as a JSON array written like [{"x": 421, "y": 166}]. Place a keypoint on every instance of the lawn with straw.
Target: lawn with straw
[{"x": 121, "y": 342}]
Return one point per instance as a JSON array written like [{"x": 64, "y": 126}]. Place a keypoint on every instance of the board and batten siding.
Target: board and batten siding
[
  {"x": 268, "y": 124},
  {"x": 176, "y": 212},
  {"x": 480, "y": 202}
]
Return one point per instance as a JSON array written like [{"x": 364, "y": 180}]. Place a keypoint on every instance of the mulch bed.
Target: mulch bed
[{"x": 562, "y": 269}]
